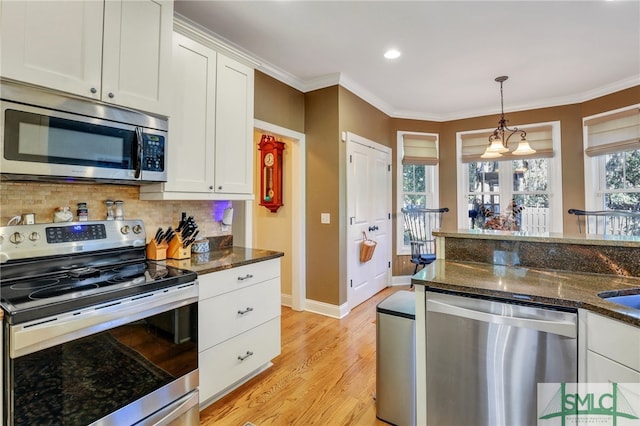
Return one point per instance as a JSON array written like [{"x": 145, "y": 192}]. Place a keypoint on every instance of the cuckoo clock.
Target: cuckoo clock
[{"x": 270, "y": 172}]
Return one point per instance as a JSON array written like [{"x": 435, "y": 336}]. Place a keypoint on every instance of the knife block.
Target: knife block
[
  {"x": 176, "y": 251},
  {"x": 157, "y": 251}
]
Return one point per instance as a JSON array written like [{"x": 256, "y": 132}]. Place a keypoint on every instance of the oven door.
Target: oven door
[{"x": 125, "y": 362}]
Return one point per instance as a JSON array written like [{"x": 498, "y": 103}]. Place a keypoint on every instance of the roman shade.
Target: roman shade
[
  {"x": 540, "y": 138},
  {"x": 420, "y": 150},
  {"x": 612, "y": 133}
]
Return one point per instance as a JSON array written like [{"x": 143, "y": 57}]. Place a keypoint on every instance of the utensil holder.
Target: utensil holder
[
  {"x": 367, "y": 248},
  {"x": 157, "y": 251},
  {"x": 176, "y": 251}
]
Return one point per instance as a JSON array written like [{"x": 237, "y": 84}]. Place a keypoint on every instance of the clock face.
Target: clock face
[{"x": 268, "y": 159}]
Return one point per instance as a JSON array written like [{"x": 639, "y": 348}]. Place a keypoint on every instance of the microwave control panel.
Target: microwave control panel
[{"x": 153, "y": 153}]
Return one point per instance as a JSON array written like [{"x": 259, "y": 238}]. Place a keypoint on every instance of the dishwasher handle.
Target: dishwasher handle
[{"x": 562, "y": 328}]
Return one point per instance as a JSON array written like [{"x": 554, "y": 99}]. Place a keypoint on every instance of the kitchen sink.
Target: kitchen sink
[{"x": 629, "y": 300}]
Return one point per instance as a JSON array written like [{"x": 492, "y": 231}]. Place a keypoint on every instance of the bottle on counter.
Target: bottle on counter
[
  {"x": 83, "y": 212},
  {"x": 109, "y": 205},
  {"x": 119, "y": 210}
]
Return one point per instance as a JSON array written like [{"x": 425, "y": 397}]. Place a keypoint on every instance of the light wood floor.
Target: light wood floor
[{"x": 325, "y": 375}]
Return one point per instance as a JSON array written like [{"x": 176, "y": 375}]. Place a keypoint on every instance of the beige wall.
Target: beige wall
[
  {"x": 277, "y": 103},
  {"x": 43, "y": 198},
  {"x": 328, "y": 112},
  {"x": 272, "y": 231},
  {"x": 322, "y": 189}
]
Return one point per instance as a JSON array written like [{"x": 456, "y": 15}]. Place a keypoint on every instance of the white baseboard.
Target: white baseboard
[
  {"x": 326, "y": 309},
  {"x": 335, "y": 311},
  {"x": 401, "y": 280},
  {"x": 286, "y": 300}
]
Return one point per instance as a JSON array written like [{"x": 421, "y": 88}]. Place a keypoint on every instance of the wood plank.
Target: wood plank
[{"x": 326, "y": 374}]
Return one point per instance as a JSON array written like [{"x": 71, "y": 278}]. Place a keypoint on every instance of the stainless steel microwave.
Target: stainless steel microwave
[{"x": 50, "y": 136}]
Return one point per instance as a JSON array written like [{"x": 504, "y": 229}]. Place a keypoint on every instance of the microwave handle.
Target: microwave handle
[{"x": 138, "y": 152}]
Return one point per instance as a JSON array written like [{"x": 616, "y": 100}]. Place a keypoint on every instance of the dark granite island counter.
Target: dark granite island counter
[{"x": 550, "y": 270}]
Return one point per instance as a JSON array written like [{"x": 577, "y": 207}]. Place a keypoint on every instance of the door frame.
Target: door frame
[
  {"x": 298, "y": 223},
  {"x": 350, "y": 137}
]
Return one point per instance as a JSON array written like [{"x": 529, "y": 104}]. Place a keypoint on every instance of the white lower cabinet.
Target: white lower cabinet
[
  {"x": 238, "y": 326},
  {"x": 612, "y": 350},
  {"x": 226, "y": 364}
]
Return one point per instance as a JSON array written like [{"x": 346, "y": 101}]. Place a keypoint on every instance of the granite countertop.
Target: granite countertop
[
  {"x": 549, "y": 287},
  {"x": 543, "y": 237},
  {"x": 226, "y": 258}
]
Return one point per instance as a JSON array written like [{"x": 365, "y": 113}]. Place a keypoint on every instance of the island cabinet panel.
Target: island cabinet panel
[
  {"x": 613, "y": 350},
  {"x": 210, "y": 128},
  {"x": 114, "y": 51},
  {"x": 238, "y": 326}
]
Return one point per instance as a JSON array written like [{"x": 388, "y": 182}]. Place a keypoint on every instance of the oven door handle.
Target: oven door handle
[
  {"x": 48, "y": 332},
  {"x": 183, "y": 409}
]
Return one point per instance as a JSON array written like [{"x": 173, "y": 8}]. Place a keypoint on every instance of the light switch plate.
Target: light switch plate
[{"x": 325, "y": 218}]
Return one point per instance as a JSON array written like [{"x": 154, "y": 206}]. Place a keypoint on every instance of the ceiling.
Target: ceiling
[{"x": 554, "y": 52}]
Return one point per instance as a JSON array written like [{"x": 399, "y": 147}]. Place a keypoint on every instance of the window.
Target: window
[
  {"x": 520, "y": 190},
  {"x": 612, "y": 161},
  {"x": 417, "y": 178}
]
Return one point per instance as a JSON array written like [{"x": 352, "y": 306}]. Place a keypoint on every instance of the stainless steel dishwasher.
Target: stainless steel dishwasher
[{"x": 485, "y": 359}]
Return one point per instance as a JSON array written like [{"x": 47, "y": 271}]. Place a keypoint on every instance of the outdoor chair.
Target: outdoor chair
[
  {"x": 607, "y": 222},
  {"x": 419, "y": 224}
]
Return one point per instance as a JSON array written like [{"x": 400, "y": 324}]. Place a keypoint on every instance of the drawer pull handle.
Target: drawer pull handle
[
  {"x": 246, "y": 311},
  {"x": 246, "y": 277},
  {"x": 248, "y": 354}
]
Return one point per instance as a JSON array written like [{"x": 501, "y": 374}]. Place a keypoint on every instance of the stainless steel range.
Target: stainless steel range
[{"x": 94, "y": 333}]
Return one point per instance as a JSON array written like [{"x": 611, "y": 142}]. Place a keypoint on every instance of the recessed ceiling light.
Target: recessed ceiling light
[{"x": 392, "y": 54}]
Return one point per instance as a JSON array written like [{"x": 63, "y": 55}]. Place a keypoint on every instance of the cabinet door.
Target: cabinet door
[
  {"x": 234, "y": 128},
  {"x": 137, "y": 54},
  {"x": 192, "y": 122},
  {"x": 53, "y": 44}
]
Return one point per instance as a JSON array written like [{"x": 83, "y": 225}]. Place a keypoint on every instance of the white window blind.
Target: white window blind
[
  {"x": 612, "y": 133},
  {"x": 540, "y": 138},
  {"x": 420, "y": 150}
]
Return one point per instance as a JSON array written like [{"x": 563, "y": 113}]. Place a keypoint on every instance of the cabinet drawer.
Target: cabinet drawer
[
  {"x": 235, "y": 278},
  {"x": 603, "y": 370},
  {"x": 615, "y": 340},
  {"x": 221, "y": 366},
  {"x": 224, "y": 316}
]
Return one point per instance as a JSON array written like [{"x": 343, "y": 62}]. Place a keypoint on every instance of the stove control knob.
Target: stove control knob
[
  {"x": 125, "y": 229},
  {"x": 34, "y": 236},
  {"x": 137, "y": 229},
  {"x": 16, "y": 238},
  {"x": 1, "y": 239}
]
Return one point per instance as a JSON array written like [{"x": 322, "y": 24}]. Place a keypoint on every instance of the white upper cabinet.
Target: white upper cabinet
[
  {"x": 115, "y": 51},
  {"x": 210, "y": 127},
  {"x": 234, "y": 127},
  {"x": 193, "y": 121}
]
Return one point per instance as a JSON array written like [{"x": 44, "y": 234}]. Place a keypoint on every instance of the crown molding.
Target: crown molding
[
  {"x": 207, "y": 37},
  {"x": 197, "y": 32}
]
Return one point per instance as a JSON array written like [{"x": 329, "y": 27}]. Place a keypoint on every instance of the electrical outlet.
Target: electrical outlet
[{"x": 325, "y": 218}]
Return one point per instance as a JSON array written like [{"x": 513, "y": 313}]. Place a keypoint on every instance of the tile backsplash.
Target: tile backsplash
[{"x": 43, "y": 198}]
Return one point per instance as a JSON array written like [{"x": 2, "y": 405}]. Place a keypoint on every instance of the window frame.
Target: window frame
[
  {"x": 554, "y": 185},
  {"x": 431, "y": 187},
  {"x": 595, "y": 167}
]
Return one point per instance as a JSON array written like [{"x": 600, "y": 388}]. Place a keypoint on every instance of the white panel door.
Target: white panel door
[
  {"x": 368, "y": 211},
  {"x": 56, "y": 44},
  {"x": 192, "y": 122},
  {"x": 137, "y": 54},
  {"x": 234, "y": 127}
]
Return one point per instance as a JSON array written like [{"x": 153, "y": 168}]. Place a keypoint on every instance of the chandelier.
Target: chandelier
[{"x": 499, "y": 139}]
